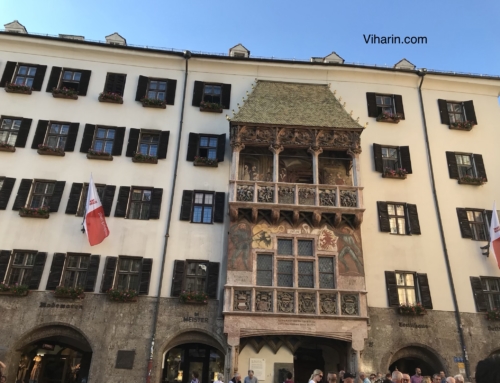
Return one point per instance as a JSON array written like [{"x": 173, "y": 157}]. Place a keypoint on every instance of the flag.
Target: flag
[
  {"x": 495, "y": 233},
  {"x": 94, "y": 221}
]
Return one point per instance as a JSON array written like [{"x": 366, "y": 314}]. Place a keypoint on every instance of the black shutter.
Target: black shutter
[
  {"x": 39, "y": 76},
  {"x": 198, "y": 92},
  {"x": 213, "y": 279},
  {"x": 4, "y": 263},
  {"x": 187, "y": 202},
  {"x": 122, "y": 202},
  {"x": 171, "y": 86},
  {"x": 109, "y": 274},
  {"x": 22, "y": 135},
  {"x": 5, "y": 192},
  {"x": 147, "y": 267},
  {"x": 477, "y": 291},
  {"x": 118, "y": 141},
  {"x": 398, "y": 103},
  {"x": 74, "y": 198},
  {"x": 40, "y": 132},
  {"x": 8, "y": 73},
  {"x": 478, "y": 162},
  {"x": 133, "y": 142},
  {"x": 154, "y": 210},
  {"x": 220, "y": 200},
  {"x": 142, "y": 87},
  {"x": 463, "y": 221},
  {"x": 177, "y": 278},
  {"x": 221, "y": 147},
  {"x": 119, "y": 86},
  {"x": 425, "y": 292},
  {"x": 55, "y": 200},
  {"x": 377, "y": 157},
  {"x": 55, "y": 75},
  {"x": 443, "y": 112},
  {"x": 392, "y": 288},
  {"x": 36, "y": 274},
  {"x": 192, "y": 146},
  {"x": 383, "y": 217},
  {"x": 489, "y": 214},
  {"x": 107, "y": 199},
  {"x": 84, "y": 82},
  {"x": 163, "y": 144},
  {"x": 371, "y": 101},
  {"x": 22, "y": 194},
  {"x": 452, "y": 165},
  {"x": 88, "y": 138},
  {"x": 71, "y": 139},
  {"x": 92, "y": 270},
  {"x": 109, "y": 85},
  {"x": 470, "y": 113},
  {"x": 56, "y": 271},
  {"x": 413, "y": 218},
  {"x": 404, "y": 152},
  {"x": 226, "y": 96}
]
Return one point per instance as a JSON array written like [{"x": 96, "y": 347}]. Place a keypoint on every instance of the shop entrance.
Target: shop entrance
[
  {"x": 305, "y": 361},
  {"x": 409, "y": 358}
]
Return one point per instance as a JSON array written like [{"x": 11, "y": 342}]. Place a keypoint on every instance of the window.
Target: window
[
  {"x": 466, "y": 167},
  {"x": 385, "y": 105},
  {"x": 306, "y": 274},
  {"x": 196, "y": 276},
  {"x": 397, "y": 218},
  {"x": 115, "y": 83},
  {"x": 128, "y": 274},
  {"x": 203, "y": 207},
  {"x": 70, "y": 79},
  {"x": 104, "y": 139},
  {"x": 75, "y": 273},
  {"x": 456, "y": 112},
  {"x": 305, "y": 247},
  {"x": 390, "y": 158},
  {"x": 208, "y": 147},
  {"x": 285, "y": 246},
  {"x": 326, "y": 273},
  {"x": 9, "y": 130},
  {"x": 406, "y": 288},
  {"x": 157, "y": 89},
  {"x": 219, "y": 94},
  {"x": 22, "y": 268},
  {"x": 42, "y": 194},
  {"x": 57, "y": 135},
  {"x": 212, "y": 93},
  {"x": 140, "y": 203},
  {"x": 148, "y": 144},
  {"x": 464, "y": 163},
  {"x": 25, "y": 75},
  {"x": 491, "y": 289},
  {"x": 264, "y": 270},
  {"x": 474, "y": 223},
  {"x": 83, "y": 197},
  {"x": 285, "y": 273},
  {"x": 389, "y": 105}
]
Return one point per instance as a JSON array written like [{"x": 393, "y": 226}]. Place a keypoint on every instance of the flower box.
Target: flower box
[
  {"x": 466, "y": 125},
  {"x": 475, "y": 181},
  {"x": 193, "y": 297},
  {"x": 14, "y": 88},
  {"x": 412, "y": 310},
  {"x": 40, "y": 212},
  {"x": 391, "y": 118},
  {"x": 14, "y": 290},
  {"x": 210, "y": 107},
  {"x": 394, "y": 176},
  {"x": 48, "y": 151},
  {"x": 112, "y": 98},
  {"x": 69, "y": 292},
  {"x": 122, "y": 296},
  {"x": 153, "y": 103},
  {"x": 7, "y": 148},
  {"x": 204, "y": 161},
  {"x": 66, "y": 93},
  {"x": 144, "y": 159},
  {"x": 95, "y": 155},
  {"x": 493, "y": 315}
]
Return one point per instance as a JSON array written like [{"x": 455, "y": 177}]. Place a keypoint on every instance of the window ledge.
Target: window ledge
[
  {"x": 395, "y": 176},
  {"x": 109, "y": 100},
  {"x": 210, "y": 165},
  {"x": 9, "y": 293},
  {"x": 50, "y": 153},
  {"x": 20, "y": 91},
  {"x": 9, "y": 149},
  {"x": 67, "y": 296},
  {"x": 31, "y": 215},
  {"x": 66, "y": 96},
  {"x": 389, "y": 120},
  {"x": 99, "y": 157},
  {"x": 210, "y": 110},
  {"x": 145, "y": 104},
  {"x": 145, "y": 161},
  {"x": 475, "y": 183},
  {"x": 408, "y": 313}
]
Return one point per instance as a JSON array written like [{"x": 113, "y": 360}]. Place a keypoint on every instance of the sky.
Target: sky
[{"x": 462, "y": 36}]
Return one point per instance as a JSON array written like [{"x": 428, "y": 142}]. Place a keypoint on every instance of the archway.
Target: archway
[
  {"x": 495, "y": 353},
  {"x": 409, "y": 358}
]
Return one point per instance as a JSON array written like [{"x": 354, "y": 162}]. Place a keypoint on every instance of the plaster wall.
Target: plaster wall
[{"x": 284, "y": 355}]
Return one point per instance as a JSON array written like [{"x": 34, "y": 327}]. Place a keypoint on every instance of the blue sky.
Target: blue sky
[{"x": 461, "y": 35}]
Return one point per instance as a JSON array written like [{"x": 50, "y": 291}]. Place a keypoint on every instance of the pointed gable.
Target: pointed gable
[
  {"x": 404, "y": 64},
  {"x": 116, "y": 39},
  {"x": 239, "y": 51},
  {"x": 15, "y": 26},
  {"x": 333, "y": 58}
]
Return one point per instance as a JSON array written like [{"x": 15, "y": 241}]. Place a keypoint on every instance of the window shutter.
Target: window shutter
[
  {"x": 213, "y": 279},
  {"x": 142, "y": 87},
  {"x": 443, "y": 112},
  {"x": 55, "y": 200},
  {"x": 470, "y": 113},
  {"x": 147, "y": 267},
  {"x": 122, "y": 202},
  {"x": 22, "y": 135},
  {"x": 109, "y": 85},
  {"x": 392, "y": 289},
  {"x": 171, "y": 86},
  {"x": 55, "y": 75},
  {"x": 36, "y": 274},
  {"x": 221, "y": 147},
  {"x": 198, "y": 92},
  {"x": 92, "y": 270},
  {"x": 163, "y": 145},
  {"x": 107, "y": 199},
  {"x": 489, "y": 214},
  {"x": 8, "y": 73},
  {"x": 404, "y": 152},
  {"x": 192, "y": 146},
  {"x": 226, "y": 96},
  {"x": 22, "y": 194},
  {"x": 177, "y": 278},
  {"x": 478, "y": 162},
  {"x": 5, "y": 192},
  {"x": 220, "y": 200},
  {"x": 463, "y": 221},
  {"x": 452, "y": 165},
  {"x": 40, "y": 132},
  {"x": 187, "y": 202},
  {"x": 477, "y": 291},
  {"x": 56, "y": 271},
  {"x": 119, "y": 86},
  {"x": 109, "y": 274},
  {"x": 74, "y": 198},
  {"x": 84, "y": 82},
  {"x": 4, "y": 263},
  {"x": 72, "y": 134},
  {"x": 383, "y": 217},
  {"x": 371, "y": 101},
  {"x": 398, "y": 103},
  {"x": 413, "y": 218},
  {"x": 133, "y": 142},
  {"x": 425, "y": 292},
  {"x": 118, "y": 142},
  {"x": 88, "y": 138},
  {"x": 377, "y": 156},
  {"x": 156, "y": 197},
  {"x": 39, "y": 76}
]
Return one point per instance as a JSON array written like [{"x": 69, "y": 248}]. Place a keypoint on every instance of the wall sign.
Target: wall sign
[
  {"x": 413, "y": 325},
  {"x": 59, "y": 306},
  {"x": 196, "y": 318},
  {"x": 493, "y": 328},
  {"x": 258, "y": 366}
]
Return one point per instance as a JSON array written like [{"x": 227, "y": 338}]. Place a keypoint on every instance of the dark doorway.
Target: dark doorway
[
  {"x": 305, "y": 362},
  {"x": 408, "y": 366}
]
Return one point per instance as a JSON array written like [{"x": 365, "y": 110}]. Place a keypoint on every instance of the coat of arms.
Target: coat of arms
[
  {"x": 242, "y": 301},
  {"x": 263, "y": 301},
  {"x": 350, "y": 304},
  {"x": 285, "y": 302},
  {"x": 328, "y": 304}
]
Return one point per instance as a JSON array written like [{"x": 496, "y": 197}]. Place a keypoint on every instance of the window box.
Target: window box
[
  {"x": 45, "y": 150},
  {"x": 7, "y": 148},
  {"x": 97, "y": 155},
  {"x": 141, "y": 158},
  {"x": 387, "y": 117},
  {"x": 69, "y": 292},
  {"x": 412, "y": 310},
  {"x": 153, "y": 103},
  {"x": 194, "y": 297},
  {"x": 204, "y": 161},
  {"x": 466, "y": 125},
  {"x": 34, "y": 212},
  {"x": 14, "y": 290},
  {"x": 493, "y": 315},
  {"x": 113, "y": 98},
  {"x": 210, "y": 107},
  {"x": 399, "y": 174},
  {"x": 14, "y": 88},
  {"x": 469, "y": 180},
  {"x": 70, "y": 94},
  {"x": 123, "y": 296}
]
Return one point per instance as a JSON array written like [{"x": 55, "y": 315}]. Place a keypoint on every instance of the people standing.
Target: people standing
[
  {"x": 363, "y": 377},
  {"x": 348, "y": 377},
  {"x": 436, "y": 378},
  {"x": 406, "y": 378},
  {"x": 427, "y": 379},
  {"x": 194, "y": 377},
  {"x": 316, "y": 376},
  {"x": 341, "y": 376},
  {"x": 236, "y": 378},
  {"x": 417, "y": 378},
  {"x": 488, "y": 370},
  {"x": 251, "y": 378},
  {"x": 220, "y": 378},
  {"x": 449, "y": 379},
  {"x": 397, "y": 377},
  {"x": 289, "y": 377},
  {"x": 332, "y": 377},
  {"x": 459, "y": 378},
  {"x": 442, "y": 375}
]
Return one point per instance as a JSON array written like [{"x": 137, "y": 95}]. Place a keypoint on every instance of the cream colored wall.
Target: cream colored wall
[{"x": 284, "y": 355}]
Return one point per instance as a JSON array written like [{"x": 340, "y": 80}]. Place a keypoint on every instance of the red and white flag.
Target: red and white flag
[
  {"x": 94, "y": 222},
  {"x": 495, "y": 234}
]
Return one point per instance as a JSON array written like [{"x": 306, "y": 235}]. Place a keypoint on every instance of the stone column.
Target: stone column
[
  {"x": 276, "y": 149},
  {"x": 315, "y": 152},
  {"x": 235, "y": 163}
]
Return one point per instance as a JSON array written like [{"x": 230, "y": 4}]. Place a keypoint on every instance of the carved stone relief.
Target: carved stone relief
[
  {"x": 307, "y": 303},
  {"x": 348, "y": 198},
  {"x": 265, "y": 194},
  {"x": 264, "y": 301},
  {"x": 328, "y": 304},
  {"x": 242, "y": 300},
  {"x": 350, "y": 304},
  {"x": 285, "y": 302},
  {"x": 244, "y": 193}
]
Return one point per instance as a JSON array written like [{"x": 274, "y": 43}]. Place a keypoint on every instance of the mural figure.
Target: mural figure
[
  {"x": 327, "y": 240},
  {"x": 241, "y": 240},
  {"x": 283, "y": 177},
  {"x": 262, "y": 240},
  {"x": 246, "y": 173},
  {"x": 339, "y": 180},
  {"x": 351, "y": 248}
]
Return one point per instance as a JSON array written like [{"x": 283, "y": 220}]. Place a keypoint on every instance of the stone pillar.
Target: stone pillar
[
  {"x": 235, "y": 161},
  {"x": 315, "y": 152},
  {"x": 232, "y": 357},
  {"x": 276, "y": 149}
]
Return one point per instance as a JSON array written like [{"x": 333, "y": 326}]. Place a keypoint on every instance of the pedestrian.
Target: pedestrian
[
  {"x": 449, "y": 379},
  {"x": 331, "y": 377},
  {"x": 427, "y": 379},
  {"x": 341, "y": 376},
  {"x": 236, "y": 378},
  {"x": 373, "y": 377},
  {"x": 397, "y": 377},
  {"x": 3, "y": 379},
  {"x": 406, "y": 378},
  {"x": 488, "y": 370},
  {"x": 436, "y": 378},
  {"x": 442, "y": 375},
  {"x": 220, "y": 378},
  {"x": 251, "y": 378},
  {"x": 316, "y": 376},
  {"x": 289, "y": 377},
  {"x": 349, "y": 377},
  {"x": 363, "y": 377},
  {"x": 417, "y": 378},
  {"x": 194, "y": 377},
  {"x": 459, "y": 378}
]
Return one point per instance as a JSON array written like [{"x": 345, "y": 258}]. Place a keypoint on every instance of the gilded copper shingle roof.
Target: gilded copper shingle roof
[{"x": 294, "y": 104}]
